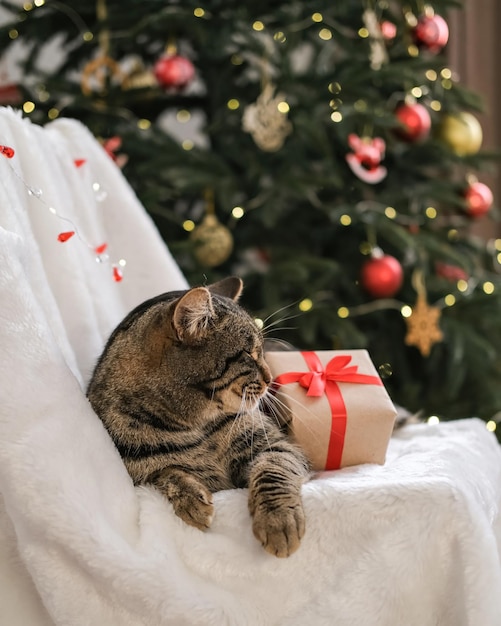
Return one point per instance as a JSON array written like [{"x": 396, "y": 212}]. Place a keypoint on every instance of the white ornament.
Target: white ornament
[
  {"x": 263, "y": 120},
  {"x": 379, "y": 54}
]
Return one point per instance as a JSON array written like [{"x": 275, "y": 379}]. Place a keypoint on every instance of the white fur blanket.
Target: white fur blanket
[{"x": 412, "y": 543}]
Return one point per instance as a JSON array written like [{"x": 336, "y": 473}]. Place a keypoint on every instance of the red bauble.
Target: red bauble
[
  {"x": 173, "y": 70},
  {"x": 382, "y": 276},
  {"x": 388, "y": 30},
  {"x": 431, "y": 32},
  {"x": 478, "y": 199},
  {"x": 10, "y": 94},
  {"x": 415, "y": 120},
  {"x": 451, "y": 272}
]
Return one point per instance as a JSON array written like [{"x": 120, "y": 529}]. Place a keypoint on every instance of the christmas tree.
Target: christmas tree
[{"x": 324, "y": 151}]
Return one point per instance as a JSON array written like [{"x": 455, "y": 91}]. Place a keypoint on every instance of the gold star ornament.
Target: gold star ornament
[{"x": 423, "y": 329}]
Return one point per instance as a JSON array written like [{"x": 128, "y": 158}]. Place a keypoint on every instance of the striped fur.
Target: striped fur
[{"x": 178, "y": 387}]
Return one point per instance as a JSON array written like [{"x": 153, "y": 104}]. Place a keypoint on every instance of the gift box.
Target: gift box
[{"x": 335, "y": 405}]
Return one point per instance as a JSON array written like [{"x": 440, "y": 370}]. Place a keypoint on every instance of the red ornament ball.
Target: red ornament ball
[
  {"x": 173, "y": 70},
  {"x": 478, "y": 198},
  {"x": 388, "y": 30},
  {"x": 450, "y": 272},
  {"x": 415, "y": 121},
  {"x": 382, "y": 276},
  {"x": 431, "y": 32}
]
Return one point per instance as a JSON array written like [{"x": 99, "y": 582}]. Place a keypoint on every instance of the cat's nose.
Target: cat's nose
[{"x": 266, "y": 373}]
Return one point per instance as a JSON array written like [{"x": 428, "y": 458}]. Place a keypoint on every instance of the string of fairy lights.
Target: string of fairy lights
[{"x": 100, "y": 250}]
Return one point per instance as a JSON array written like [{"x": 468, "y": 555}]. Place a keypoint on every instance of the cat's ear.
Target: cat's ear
[
  {"x": 230, "y": 287},
  {"x": 192, "y": 314}
]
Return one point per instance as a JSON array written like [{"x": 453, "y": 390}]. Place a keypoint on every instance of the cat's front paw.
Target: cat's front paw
[
  {"x": 191, "y": 499},
  {"x": 195, "y": 507},
  {"x": 281, "y": 529}
]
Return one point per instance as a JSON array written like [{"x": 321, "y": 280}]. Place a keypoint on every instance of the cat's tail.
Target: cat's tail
[{"x": 405, "y": 417}]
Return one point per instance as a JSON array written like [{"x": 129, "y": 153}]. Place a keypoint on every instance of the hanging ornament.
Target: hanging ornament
[
  {"x": 253, "y": 261},
  {"x": 102, "y": 70},
  {"x": 10, "y": 94},
  {"x": 378, "y": 55},
  {"x": 365, "y": 160},
  {"x": 423, "y": 330},
  {"x": 388, "y": 30},
  {"x": 97, "y": 73},
  {"x": 450, "y": 272},
  {"x": 415, "y": 121},
  {"x": 382, "y": 275},
  {"x": 172, "y": 70},
  {"x": 461, "y": 132},
  {"x": 138, "y": 76},
  {"x": 431, "y": 32},
  {"x": 111, "y": 146},
  {"x": 479, "y": 199},
  {"x": 212, "y": 241},
  {"x": 268, "y": 126}
]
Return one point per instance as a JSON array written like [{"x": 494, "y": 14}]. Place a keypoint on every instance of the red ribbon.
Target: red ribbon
[{"x": 319, "y": 381}]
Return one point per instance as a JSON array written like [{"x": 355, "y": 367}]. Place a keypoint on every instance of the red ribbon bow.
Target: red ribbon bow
[{"x": 320, "y": 380}]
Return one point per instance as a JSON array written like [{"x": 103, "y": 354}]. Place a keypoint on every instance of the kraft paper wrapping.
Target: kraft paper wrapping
[{"x": 369, "y": 414}]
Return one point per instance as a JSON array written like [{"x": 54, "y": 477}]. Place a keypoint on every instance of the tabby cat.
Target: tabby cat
[{"x": 178, "y": 387}]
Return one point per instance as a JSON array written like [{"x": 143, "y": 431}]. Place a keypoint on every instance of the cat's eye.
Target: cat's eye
[{"x": 253, "y": 355}]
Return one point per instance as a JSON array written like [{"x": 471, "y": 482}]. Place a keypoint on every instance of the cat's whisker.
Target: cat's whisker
[
  {"x": 280, "y": 342},
  {"x": 266, "y": 327},
  {"x": 274, "y": 399},
  {"x": 257, "y": 418},
  {"x": 270, "y": 408},
  {"x": 248, "y": 411},
  {"x": 238, "y": 418},
  {"x": 283, "y": 308},
  {"x": 264, "y": 429},
  {"x": 266, "y": 334}
]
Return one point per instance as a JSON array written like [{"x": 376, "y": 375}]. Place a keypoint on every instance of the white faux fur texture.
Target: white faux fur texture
[{"x": 411, "y": 543}]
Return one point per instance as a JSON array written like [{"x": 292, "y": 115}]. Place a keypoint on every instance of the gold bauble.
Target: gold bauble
[
  {"x": 461, "y": 132},
  {"x": 213, "y": 242}
]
